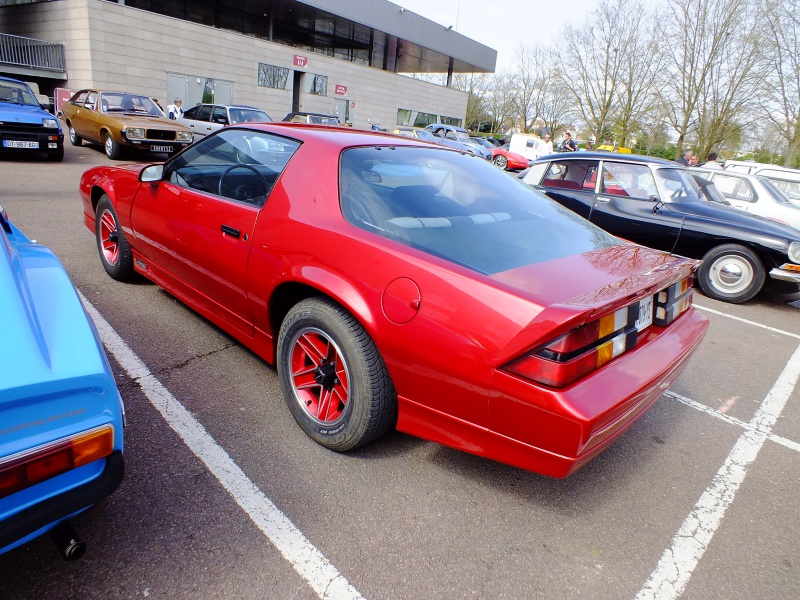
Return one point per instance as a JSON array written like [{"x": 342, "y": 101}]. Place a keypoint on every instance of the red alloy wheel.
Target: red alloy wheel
[
  {"x": 319, "y": 375},
  {"x": 109, "y": 237}
]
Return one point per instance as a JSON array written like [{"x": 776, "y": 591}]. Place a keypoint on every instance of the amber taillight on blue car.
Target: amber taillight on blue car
[
  {"x": 585, "y": 349},
  {"x": 25, "y": 469}
]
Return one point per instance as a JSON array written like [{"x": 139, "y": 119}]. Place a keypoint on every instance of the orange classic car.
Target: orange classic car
[{"x": 119, "y": 120}]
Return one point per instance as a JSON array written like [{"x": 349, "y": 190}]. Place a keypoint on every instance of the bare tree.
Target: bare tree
[
  {"x": 499, "y": 103},
  {"x": 729, "y": 95},
  {"x": 590, "y": 62},
  {"x": 783, "y": 110},
  {"x": 695, "y": 33},
  {"x": 639, "y": 67},
  {"x": 558, "y": 103},
  {"x": 477, "y": 86},
  {"x": 528, "y": 95}
]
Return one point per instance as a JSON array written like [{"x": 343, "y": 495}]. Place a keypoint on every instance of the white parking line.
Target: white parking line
[
  {"x": 309, "y": 562},
  {"x": 678, "y": 562},
  {"x": 748, "y": 322}
]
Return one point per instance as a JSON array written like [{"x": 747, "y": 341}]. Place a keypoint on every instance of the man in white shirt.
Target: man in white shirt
[
  {"x": 547, "y": 147},
  {"x": 712, "y": 163},
  {"x": 175, "y": 110}
]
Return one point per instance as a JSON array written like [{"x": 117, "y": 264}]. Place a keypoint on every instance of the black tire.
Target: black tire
[
  {"x": 56, "y": 156},
  {"x": 501, "y": 161},
  {"x": 368, "y": 407},
  {"x": 115, "y": 252},
  {"x": 731, "y": 273},
  {"x": 74, "y": 138},
  {"x": 111, "y": 147}
]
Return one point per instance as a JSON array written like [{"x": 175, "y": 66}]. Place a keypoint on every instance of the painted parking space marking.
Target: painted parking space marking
[
  {"x": 748, "y": 322},
  {"x": 309, "y": 562},
  {"x": 677, "y": 563}
]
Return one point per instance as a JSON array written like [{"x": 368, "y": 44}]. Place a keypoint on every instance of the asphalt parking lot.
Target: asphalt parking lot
[{"x": 225, "y": 497}]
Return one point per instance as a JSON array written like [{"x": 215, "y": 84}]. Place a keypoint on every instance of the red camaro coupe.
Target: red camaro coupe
[{"x": 396, "y": 284}]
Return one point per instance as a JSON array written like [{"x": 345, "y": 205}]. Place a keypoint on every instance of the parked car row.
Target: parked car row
[{"x": 657, "y": 203}]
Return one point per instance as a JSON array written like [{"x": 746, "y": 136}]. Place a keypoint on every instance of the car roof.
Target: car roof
[
  {"x": 4, "y": 78},
  {"x": 750, "y": 176},
  {"x": 628, "y": 158},
  {"x": 336, "y": 137}
]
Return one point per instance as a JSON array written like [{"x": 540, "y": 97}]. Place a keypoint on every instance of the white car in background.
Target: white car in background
[
  {"x": 788, "y": 180},
  {"x": 754, "y": 193},
  {"x": 204, "y": 119}
]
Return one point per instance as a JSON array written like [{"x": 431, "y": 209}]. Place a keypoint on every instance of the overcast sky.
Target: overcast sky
[{"x": 504, "y": 24}]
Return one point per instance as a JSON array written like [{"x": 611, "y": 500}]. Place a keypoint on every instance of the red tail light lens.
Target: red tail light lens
[
  {"x": 566, "y": 359},
  {"x": 28, "y": 468}
]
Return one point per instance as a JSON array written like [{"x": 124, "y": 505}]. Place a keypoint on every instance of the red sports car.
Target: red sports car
[
  {"x": 397, "y": 284},
  {"x": 510, "y": 161}
]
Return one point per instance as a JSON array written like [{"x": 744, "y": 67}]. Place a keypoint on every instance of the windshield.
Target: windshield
[
  {"x": 249, "y": 115},
  {"x": 676, "y": 185},
  {"x": 128, "y": 103},
  {"x": 424, "y": 135},
  {"x": 459, "y": 208},
  {"x": 17, "y": 93},
  {"x": 774, "y": 191}
]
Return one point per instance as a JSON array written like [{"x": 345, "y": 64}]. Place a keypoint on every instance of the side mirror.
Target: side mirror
[{"x": 152, "y": 173}]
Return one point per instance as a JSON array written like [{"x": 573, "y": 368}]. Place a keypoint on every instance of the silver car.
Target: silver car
[
  {"x": 204, "y": 119},
  {"x": 755, "y": 194}
]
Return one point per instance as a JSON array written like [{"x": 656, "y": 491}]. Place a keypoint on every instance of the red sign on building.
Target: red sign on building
[
  {"x": 300, "y": 61},
  {"x": 341, "y": 90}
]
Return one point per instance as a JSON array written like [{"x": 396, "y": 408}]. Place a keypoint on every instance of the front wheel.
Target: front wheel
[
  {"x": 501, "y": 161},
  {"x": 115, "y": 253},
  {"x": 74, "y": 138},
  {"x": 333, "y": 377},
  {"x": 111, "y": 147},
  {"x": 731, "y": 273}
]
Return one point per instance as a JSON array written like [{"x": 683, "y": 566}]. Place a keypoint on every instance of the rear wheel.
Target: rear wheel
[
  {"x": 731, "y": 273},
  {"x": 115, "y": 253},
  {"x": 111, "y": 147},
  {"x": 333, "y": 377},
  {"x": 501, "y": 161},
  {"x": 74, "y": 138}
]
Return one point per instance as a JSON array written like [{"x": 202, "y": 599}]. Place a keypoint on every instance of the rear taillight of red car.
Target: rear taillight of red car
[{"x": 585, "y": 349}]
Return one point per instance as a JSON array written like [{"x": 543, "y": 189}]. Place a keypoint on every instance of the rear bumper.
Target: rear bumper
[{"x": 47, "y": 513}]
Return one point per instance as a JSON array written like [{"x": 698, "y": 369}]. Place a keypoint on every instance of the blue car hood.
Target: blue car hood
[
  {"x": 48, "y": 346},
  {"x": 23, "y": 113}
]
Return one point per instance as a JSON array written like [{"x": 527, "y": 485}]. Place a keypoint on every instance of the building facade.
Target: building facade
[{"x": 342, "y": 57}]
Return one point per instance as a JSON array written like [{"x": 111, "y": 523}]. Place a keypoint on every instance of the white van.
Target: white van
[{"x": 528, "y": 145}]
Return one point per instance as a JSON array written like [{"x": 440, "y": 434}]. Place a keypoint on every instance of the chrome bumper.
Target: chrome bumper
[{"x": 785, "y": 274}]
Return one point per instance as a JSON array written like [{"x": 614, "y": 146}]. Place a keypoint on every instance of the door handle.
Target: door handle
[
  {"x": 231, "y": 231},
  {"x": 603, "y": 199}
]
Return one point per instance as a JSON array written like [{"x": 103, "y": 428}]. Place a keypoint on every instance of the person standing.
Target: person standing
[
  {"x": 684, "y": 160},
  {"x": 694, "y": 160},
  {"x": 175, "y": 110},
  {"x": 711, "y": 162},
  {"x": 547, "y": 147},
  {"x": 569, "y": 145}
]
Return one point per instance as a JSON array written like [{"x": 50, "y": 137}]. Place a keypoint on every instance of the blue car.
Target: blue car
[
  {"x": 25, "y": 127},
  {"x": 61, "y": 415}
]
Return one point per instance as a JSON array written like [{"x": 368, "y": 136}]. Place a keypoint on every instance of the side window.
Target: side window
[
  {"x": 91, "y": 100},
  {"x": 450, "y": 135},
  {"x": 191, "y": 113},
  {"x": 80, "y": 98},
  {"x": 733, "y": 188},
  {"x": 204, "y": 114},
  {"x": 219, "y": 115},
  {"x": 631, "y": 180},
  {"x": 238, "y": 165},
  {"x": 572, "y": 175}
]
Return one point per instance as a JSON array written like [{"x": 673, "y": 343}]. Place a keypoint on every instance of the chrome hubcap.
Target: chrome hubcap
[{"x": 731, "y": 274}]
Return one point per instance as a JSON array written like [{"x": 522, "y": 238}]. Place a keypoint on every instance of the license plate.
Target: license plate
[
  {"x": 160, "y": 148},
  {"x": 645, "y": 314},
  {"x": 16, "y": 144}
]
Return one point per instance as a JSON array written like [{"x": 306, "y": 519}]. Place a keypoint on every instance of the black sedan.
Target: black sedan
[{"x": 657, "y": 203}]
